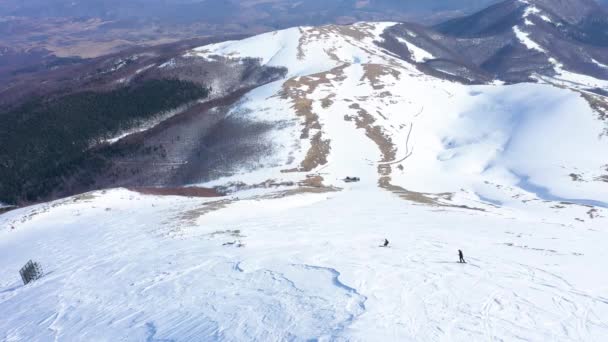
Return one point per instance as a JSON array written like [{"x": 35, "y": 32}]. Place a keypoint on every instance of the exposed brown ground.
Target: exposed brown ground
[
  {"x": 422, "y": 198},
  {"x": 374, "y": 73},
  {"x": 366, "y": 121},
  {"x": 189, "y": 217},
  {"x": 317, "y": 154},
  {"x": 297, "y": 90},
  {"x": 314, "y": 181},
  {"x": 604, "y": 178},
  {"x": 349, "y": 32},
  {"x": 600, "y": 105},
  {"x": 303, "y": 190},
  {"x": 361, "y": 32}
]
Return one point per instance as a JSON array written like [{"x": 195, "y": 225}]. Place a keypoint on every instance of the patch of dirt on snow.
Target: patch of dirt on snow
[
  {"x": 350, "y": 33},
  {"x": 374, "y": 73},
  {"x": 600, "y": 105},
  {"x": 366, "y": 121},
  {"x": 328, "y": 101},
  {"x": 603, "y": 178},
  {"x": 233, "y": 233},
  {"x": 301, "y": 190},
  {"x": 188, "y": 218},
  {"x": 422, "y": 198},
  {"x": 576, "y": 177},
  {"x": 187, "y": 192},
  {"x": 593, "y": 213},
  {"x": 241, "y": 186},
  {"x": 321, "y": 33},
  {"x": 312, "y": 184},
  {"x": 317, "y": 154},
  {"x": 358, "y": 32},
  {"x": 297, "y": 90},
  {"x": 313, "y": 180}
]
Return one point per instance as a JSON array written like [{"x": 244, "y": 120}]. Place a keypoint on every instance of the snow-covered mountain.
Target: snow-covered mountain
[
  {"x": 449, "y": 156},
  {"x": 344, "y": 92},
  {"x": 517, "y": 40}
]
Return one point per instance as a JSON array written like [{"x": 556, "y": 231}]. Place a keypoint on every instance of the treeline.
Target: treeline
[{"x": 44, "y": 141}]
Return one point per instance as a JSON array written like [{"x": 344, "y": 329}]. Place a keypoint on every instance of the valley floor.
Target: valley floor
[{"x": 125, "y": 266}]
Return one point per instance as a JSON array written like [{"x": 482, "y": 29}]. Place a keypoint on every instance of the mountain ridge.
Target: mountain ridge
[{"x": 530, "y": 45}]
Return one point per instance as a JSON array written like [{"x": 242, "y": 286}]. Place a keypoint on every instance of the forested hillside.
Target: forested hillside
[{"x": 45, "y": 140}]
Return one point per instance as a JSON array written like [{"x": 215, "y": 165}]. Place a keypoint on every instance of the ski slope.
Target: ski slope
[
  {"x": 513, "y": 175},
  {"x": 122, "y": 266}
]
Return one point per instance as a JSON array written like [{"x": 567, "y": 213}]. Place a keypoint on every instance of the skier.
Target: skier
[
  {"x": 385, "y": 243},
  {"x": 461, "y": 256}
]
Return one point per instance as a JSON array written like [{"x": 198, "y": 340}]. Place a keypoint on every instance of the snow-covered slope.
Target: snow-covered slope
[
  {"x": 346, "y": 94},
  {"x": 122, "y": 266},
  {"x": 514, "y": 175}
]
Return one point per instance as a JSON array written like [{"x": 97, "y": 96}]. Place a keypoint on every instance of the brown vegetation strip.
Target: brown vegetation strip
[
  {"x": 189, "y": 217},
  {"x": 297, "y": 89},
  {"x": 600, "y": 105},
  {"x": 366, "y": 121},
  {"x": 186, "y": 192},
  {"x": 373, "y": 72},
  {"x": 422, "y": 198}
]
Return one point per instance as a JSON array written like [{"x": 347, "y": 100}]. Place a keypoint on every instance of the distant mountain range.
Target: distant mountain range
[
  {"x": 92, "y": 28},
  {"x": 515, "y": 39},
  {"x": 216, "y": 10}
]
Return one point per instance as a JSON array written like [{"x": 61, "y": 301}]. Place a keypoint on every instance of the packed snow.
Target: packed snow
[
  {"x": 418, "y": 55},
  {"x": 513, "y": 175},
  {"x": 525, "y": 39},
  {"x": 571, "y": 80}
]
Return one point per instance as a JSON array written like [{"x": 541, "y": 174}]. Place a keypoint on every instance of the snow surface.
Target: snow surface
[
  {"x": 319, "y": 46},
  {"x": 463, "y": 137},
  {"x": 121, "y": 266},
  {"x": 599, "y": 64},
  {"x": 572, "y": 80},
  {"x": 418, "y": 55},
  {"x": 487, "y": 169},
  {"x": 524, "y": 38}
]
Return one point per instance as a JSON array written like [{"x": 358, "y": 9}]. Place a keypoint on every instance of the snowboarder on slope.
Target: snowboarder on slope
[
  {"x": 385, "y": 243},
  {"x": 461, "y": 256}
]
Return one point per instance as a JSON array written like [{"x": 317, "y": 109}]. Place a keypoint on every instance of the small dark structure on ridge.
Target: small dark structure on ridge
[
  {"x": 351, "y": 179},
  {"x": 30, "y": 272}
]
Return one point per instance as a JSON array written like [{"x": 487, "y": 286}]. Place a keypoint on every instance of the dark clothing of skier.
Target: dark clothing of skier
[
  {"x": 461, "y": 256},
  {"x": 385, "y": 243}
]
